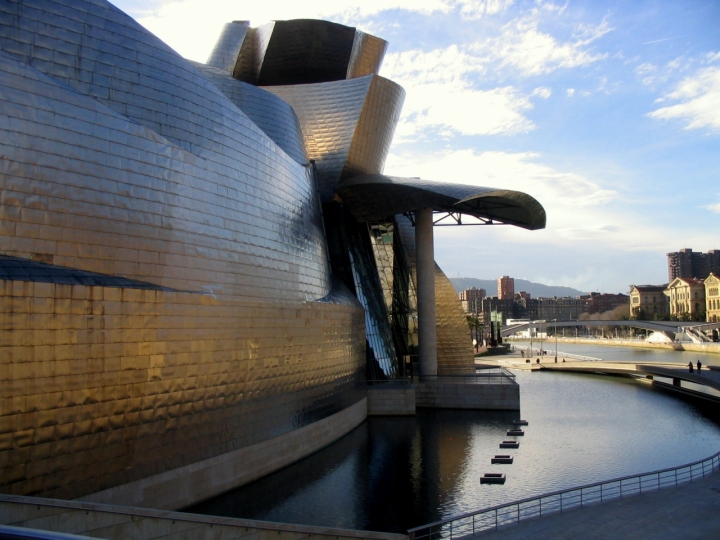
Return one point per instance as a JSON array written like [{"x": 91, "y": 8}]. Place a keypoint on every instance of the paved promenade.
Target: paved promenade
[{"x": 687, "y": 512}]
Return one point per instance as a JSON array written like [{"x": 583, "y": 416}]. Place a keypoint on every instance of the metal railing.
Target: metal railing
[
  {"x": 550, "y": 353},
  {"x": 497, "y": 375},
  {"x": 558, "y": 501}
]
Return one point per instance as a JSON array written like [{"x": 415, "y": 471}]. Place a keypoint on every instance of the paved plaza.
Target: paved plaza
[{"x": 688, "y": 512}]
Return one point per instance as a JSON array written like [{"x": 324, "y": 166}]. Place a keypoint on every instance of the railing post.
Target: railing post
[
  {"x": 473, "y": 524},
  {"x": 675, "y": 477},
  {"x": 601, "y": 493},
  {"x": 496, "y": 525}
]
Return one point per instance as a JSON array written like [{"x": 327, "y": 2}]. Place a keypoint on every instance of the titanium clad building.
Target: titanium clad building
[{"x": 201, "y": 264}]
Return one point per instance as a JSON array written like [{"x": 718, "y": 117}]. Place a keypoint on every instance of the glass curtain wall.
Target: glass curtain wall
[
  {"x": 353, "y": 261},
  {"x": 398, "y": 290}
]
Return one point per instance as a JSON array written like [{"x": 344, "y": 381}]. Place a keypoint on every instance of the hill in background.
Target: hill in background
[{"x": 535, "y": 289}]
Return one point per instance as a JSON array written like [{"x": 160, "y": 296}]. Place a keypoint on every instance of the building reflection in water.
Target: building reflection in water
[{"x": 389, "y": 474}]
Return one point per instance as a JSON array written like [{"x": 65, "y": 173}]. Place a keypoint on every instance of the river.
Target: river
[{"x": 392, "y": 473}]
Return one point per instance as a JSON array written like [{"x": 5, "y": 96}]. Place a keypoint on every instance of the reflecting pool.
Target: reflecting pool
[{"x": 391, "y": 474}]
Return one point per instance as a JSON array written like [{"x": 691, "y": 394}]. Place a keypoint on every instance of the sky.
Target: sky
[{"x": 608, "y": 113}]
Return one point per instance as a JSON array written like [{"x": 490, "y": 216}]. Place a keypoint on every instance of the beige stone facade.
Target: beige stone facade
[
  {"x": 687, "y": 297},
  {"x": 712, "y": 298},
  {"x": 648, "y": 301}
]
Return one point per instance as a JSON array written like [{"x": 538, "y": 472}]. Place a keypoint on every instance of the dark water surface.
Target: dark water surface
[{"x": 391, "y": 474}]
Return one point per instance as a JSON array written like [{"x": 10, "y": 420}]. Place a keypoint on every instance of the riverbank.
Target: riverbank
[{"x": 709, "y": 348}]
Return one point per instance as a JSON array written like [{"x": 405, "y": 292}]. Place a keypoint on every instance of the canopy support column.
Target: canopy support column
[{"x": 425, "y": 260}]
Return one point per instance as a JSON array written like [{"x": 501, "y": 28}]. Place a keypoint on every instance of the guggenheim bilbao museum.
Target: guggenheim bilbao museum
[{"x": 202, "y": 264}]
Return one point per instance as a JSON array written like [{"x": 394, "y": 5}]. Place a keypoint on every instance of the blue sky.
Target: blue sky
[{"x": 608, "y": 113}]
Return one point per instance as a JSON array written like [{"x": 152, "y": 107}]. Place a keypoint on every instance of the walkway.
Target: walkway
[{"x": 688, "y": 512}]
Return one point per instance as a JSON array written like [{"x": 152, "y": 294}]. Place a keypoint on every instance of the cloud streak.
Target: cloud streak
[{"x": 699, "y": 101}]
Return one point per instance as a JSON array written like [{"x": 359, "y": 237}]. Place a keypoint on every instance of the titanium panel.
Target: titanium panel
[
  {"x": 347, "y": 125},
  {"x": 374, "y": 197},
  {"x": 375, "y": 129},
  {"x": 227, "y": 49},
  {"x": 103, "y": 192},
  {"x": 306, "y": 51},
  {"x": 270, "y": 113},
  {"x": 367, "y": 55}
]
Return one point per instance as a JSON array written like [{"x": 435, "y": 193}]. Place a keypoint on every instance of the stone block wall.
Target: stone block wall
[
  {"x": 102, "y": 386},
  {"x": 448, "y": 395},
  {"x": 388, "y": 401}
]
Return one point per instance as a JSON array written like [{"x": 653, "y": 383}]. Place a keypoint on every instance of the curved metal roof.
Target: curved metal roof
[{"x": 373, "y": 197}]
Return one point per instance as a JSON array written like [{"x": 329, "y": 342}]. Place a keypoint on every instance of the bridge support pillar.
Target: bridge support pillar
[{"x": 425, "y": 261}]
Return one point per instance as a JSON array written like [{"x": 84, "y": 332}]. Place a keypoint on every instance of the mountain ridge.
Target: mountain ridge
[{"x": 535, "y": 289}]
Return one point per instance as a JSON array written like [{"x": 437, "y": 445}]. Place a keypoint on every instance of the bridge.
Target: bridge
[{"x": 657, "y": 326}]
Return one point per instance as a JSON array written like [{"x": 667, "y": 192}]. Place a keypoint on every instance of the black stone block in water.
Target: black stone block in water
[{"x": 492, "y": 478}]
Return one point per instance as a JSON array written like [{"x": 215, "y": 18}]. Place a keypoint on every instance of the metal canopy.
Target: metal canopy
[{"x": 374, "y": 197}]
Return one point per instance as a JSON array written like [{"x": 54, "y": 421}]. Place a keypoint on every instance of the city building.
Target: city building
[
  {"x": 647, "y": 301},
  {"x": 559, "y": 309},
  {"x": 687, "y": 263},
  {"x": 601, "y": 302},
  {"x": 202, "y": 264},
  {"x": 687, "y": 298},
  {"x": 526, "y": 307},
  {"x": 471, "y": 300},
  {"x": 712, "y": 298},
  {"x": 505, "y": 307},
  {"x": 506, "y": 288}
]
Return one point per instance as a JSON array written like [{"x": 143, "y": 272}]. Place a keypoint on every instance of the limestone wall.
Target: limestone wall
[{"x": 103, "y": 386}]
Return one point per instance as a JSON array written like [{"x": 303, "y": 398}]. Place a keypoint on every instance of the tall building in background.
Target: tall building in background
[
  {"x": 471, "y": 299},
  {"x": 687, "y": 263},
  {"x": 506, "y": 288}
]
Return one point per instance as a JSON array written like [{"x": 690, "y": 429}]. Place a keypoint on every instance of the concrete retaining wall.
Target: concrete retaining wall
[
  {"x": 391, "y": 401},
  {"x": 123, "y": 523},
  {"x": 447, "y": 395}
]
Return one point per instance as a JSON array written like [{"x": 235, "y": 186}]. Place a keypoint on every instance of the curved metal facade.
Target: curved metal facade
[
  {"x": 168, "y": 288},
  {"x": 348, "y": 125},
  {"x": 121, "y": 158}
]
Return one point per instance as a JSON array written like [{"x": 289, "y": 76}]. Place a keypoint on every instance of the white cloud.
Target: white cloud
[
  {"x": 699, "y": 101},
  {"x": 570, "y": 92},
  {"x": 523, "y": 47},
  {"x": 542, "y": 91},
  {"x": 713, "y": 207},
  {"x": 475, "y": 9},
  {"x": 173, "y": 21},
  {"x": 440, "y": 95},
  {"x": 555, "y": 189}
]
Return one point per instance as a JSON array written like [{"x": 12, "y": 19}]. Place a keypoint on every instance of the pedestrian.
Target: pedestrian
[
  {"x": 690, "y": 366},
  {"x": 699, "y": 365}
]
